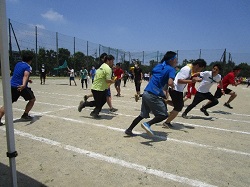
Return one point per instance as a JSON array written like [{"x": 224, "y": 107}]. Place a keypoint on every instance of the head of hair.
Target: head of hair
[
  {"x": 218, "y": 66},
  {"x": 168, "y": 56},
  {"x": 27, "y": 56},
  {"x": 103, "y": 55},
  {"x": 109, "y": 57},
  {"x": 200, "y": 62},
  {"x": 118, "y": 64}
]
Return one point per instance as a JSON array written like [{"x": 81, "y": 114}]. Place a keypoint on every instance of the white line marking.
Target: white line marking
[
  {"x": 116, "y": 161},
  {"x": 160, "y": 137}
]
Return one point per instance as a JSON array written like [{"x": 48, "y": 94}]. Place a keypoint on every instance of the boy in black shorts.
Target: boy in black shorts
[{"x": 19, "y": 82}]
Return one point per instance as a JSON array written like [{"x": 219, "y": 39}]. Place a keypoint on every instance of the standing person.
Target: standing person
[
  {"x": 181, "y": 80},
  {"x": 125, "y": 78},
  {"x": 99, "y": 87},
  {"x": 152, "y": 98},
  {"x": 42, "y": 74},
  {"x": 71, "y": 76},
  {"x": 84, "y": 77},
  {"x": 138, "y": 76},
  {"x": 228, "y": 79},
  {"x": 118, "y": 73},
  {"x": 92, "y": 73},
  {"x": 208, "y": 79},
  {"x": 19, "y": 85}
]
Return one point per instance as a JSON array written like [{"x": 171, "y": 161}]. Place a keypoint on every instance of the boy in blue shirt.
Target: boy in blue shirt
[
  {"x": 19, "y": 85},
  {"x": 153, "y": 96}
]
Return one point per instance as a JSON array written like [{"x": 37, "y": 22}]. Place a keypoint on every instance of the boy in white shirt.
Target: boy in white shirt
[{"x": 208, "y": 79}]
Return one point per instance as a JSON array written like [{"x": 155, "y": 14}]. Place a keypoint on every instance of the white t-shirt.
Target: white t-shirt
[
  {"x": 207, "y": 81},
  {"x": 72, "y": 73},
  {"x": 184, "y": 73}
]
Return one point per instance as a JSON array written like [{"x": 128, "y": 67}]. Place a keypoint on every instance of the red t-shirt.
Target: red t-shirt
[
  {"x": 228, "y": 79},
  {"x": 118, "y": 72}
]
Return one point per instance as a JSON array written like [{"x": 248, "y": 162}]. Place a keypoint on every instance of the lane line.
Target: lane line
[
  {"x": 141, "y": 133},
  {"x": 115, "y": 161}
]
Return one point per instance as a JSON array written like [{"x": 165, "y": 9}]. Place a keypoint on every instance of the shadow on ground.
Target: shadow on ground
[
  {"x": 221, "y": 112},
  {"x": 22, "y": 179},
  {"x": 34, "y": 119}
]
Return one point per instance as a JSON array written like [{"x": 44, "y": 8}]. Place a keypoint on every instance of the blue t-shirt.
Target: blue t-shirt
[
  {"x": 92, "y": 73},
  {"x": 160, "y": 75},
  {"x": 17, "y": 78}
]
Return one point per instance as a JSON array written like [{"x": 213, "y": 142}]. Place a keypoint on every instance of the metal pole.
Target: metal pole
[
  {"x": 57, "y": 49},
  {"x": 87, "y": 48},
  {"x": 7, "y": 93},
  {"x": 36, "y": 49},
  {"x": 74, "y": 52}
]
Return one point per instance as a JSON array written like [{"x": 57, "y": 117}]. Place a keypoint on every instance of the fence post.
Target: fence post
[{"x": 36, "y": 48}]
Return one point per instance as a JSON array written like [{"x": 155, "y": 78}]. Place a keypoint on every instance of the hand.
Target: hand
[
  {"x": 196, "y": 79},
  {"x": 222, "y": 91},
  {"x": 20, "y": 88}
]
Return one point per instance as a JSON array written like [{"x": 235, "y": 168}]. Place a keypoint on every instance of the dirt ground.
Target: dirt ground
[{"x": 62, "y": 147}]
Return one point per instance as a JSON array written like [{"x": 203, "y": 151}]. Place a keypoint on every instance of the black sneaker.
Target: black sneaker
[
  {"x": 26, "y": 118},
  {"x": 167, "y": 125},
  {"x": 129, "y": 133},
  {"x": 96, "y": 116},
  {"x": 228, "y": 105},
  {"x": 184, "y": 115},
  {"x": 113, "y": 110},
  {"x": 81, "y": 106},
  {"x": 204, "y": 111},
  {"x": 85, "y": 98}
]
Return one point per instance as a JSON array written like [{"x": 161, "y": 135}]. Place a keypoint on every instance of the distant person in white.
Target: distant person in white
[{"x": 71, "y": 76}]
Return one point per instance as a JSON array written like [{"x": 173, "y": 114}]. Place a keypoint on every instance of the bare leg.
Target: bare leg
[
  {"x": 29, "y": 105},
  {"x": 172, "y": 115},
  {"x": 232, "y": 96}
]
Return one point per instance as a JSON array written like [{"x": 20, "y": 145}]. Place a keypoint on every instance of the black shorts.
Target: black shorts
[
  {"x": 118, "y": 83},
  {"x": 218, "y": 92},
  {"x": 26, "y": 93},
  {"x": 177, "y": 99}
]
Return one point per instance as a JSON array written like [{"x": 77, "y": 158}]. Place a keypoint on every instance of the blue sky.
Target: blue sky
[{"x": 143, "y": 25}]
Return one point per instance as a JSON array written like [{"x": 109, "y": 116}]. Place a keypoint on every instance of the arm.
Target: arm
[
  {"x": 193, "y": 80},
  {"x": 171, "y": 83},
  {"x": 25, "y": 81},
  {"x": 221, "y": 86}
]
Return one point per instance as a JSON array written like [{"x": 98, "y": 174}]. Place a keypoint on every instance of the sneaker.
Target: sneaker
[
  {"x": 204, "y": 111},
  {"x": 137, "y": 97},
  {"x": 113, "y": 110},
  {"x": 184, "y": 115},
  {"x": 146, "y": 127},
  {"x": 167, "y": 125},
  {"x": 81, "y": 106},
  {"x": 129, "y": 133},
  {"x": 85, "y": 98},
  {"x": 228, "y": 105},
  {"x": 26, "y": 118},
  {"x": 96, "y": 116}
]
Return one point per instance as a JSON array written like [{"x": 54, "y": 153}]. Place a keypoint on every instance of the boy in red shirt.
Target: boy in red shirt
[
  {"x": 118, "y": 73},
  {"x": 228, "y": 79}
]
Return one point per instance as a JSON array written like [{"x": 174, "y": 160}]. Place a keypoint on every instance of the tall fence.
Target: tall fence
[{"x": 24, "y": 36}]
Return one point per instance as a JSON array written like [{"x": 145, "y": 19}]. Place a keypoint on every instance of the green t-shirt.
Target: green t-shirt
[
  {"x": 84, "y": 74},
  {"x": 102, "y": 74}
]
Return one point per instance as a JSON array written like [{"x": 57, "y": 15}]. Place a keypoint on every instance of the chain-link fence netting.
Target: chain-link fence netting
[{"x": 23, "y": 37}]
